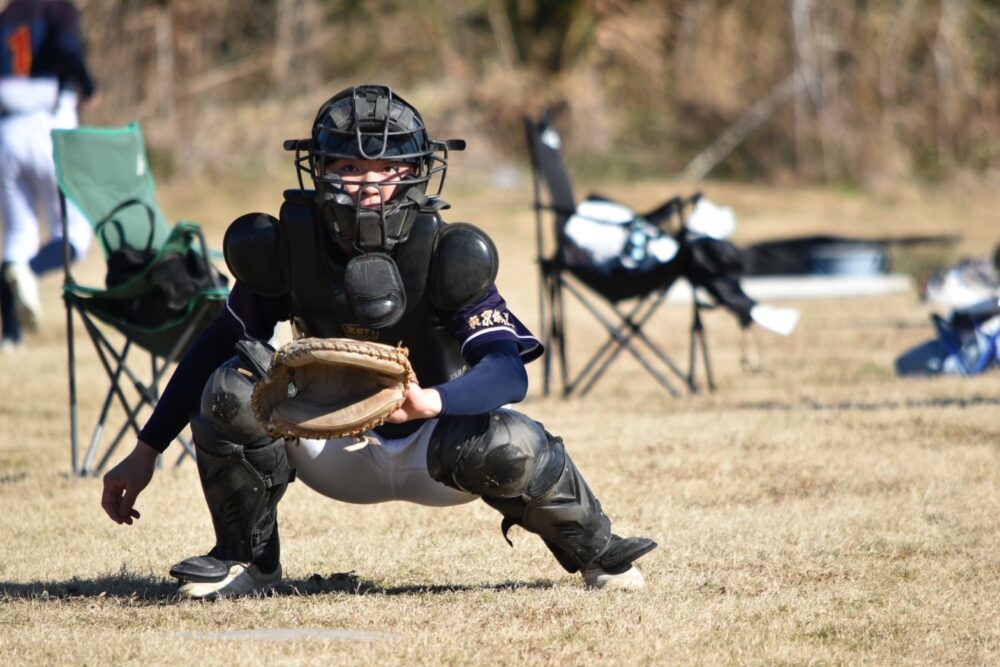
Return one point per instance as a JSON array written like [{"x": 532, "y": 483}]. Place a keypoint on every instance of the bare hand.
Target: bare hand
[
  {"x": 420, "y": 403},
  {"x": 124, "y": 483}
]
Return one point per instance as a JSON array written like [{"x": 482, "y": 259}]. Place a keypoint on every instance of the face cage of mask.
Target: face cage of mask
[
  {"x": 429, "y": 165},
  {"x": 351, "y": 223},
  {"x": 344, "y": 220}
]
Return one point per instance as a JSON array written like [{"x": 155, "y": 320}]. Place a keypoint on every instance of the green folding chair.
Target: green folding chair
[{"x": 105, "y": 172}]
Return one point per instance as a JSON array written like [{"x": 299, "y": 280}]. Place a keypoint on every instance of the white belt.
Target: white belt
[{"x": 21, "y": 94}]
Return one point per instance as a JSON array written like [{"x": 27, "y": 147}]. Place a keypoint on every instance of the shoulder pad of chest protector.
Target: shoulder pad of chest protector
[
  {"x": 255, "y": 251},
  {"x": 465, "y": 265}
]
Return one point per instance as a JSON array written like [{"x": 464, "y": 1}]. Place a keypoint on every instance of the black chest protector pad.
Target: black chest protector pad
[{"x": 465, "y": 265}]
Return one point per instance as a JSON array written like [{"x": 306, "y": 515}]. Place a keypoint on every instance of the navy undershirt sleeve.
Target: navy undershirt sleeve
[
  {"x": 247, "y": 315},
  {"x": 178, "y": 402},
  {"x": 496, "y": 377}
]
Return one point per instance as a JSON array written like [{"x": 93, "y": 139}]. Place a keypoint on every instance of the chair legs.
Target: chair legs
[
  {"x": 544, "y": 297},
  {"x": 560, "y": 338},
  {"x": 698, "y": 340},
  {"x": 553, "y": 335},
  {"x": 625, "y": 335},
  {"x": 73, "y": 417},
  {"x": 620, "y": 338},
  {"x": 114, "y": 361}
]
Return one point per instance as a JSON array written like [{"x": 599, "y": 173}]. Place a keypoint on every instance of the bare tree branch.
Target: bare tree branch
[{"x": 734, "y": 135}]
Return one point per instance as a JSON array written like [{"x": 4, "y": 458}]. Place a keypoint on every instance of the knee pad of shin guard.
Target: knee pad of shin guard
[
  {"x": 497, "y": 455},
  {"x": 226, "y": 404}
]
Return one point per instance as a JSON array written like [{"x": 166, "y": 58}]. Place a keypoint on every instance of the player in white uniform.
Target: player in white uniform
[{"x": 42, "y": 76}]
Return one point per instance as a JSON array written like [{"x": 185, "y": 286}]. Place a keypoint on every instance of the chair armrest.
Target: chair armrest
[
  {"x": 555, "y": 209},
  {"x": 666, "y": 211},
  {"x": 181, "y": 238},
  {"x": 207, "y": 254}
]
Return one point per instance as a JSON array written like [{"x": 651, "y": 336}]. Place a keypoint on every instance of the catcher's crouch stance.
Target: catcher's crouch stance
[{"x": 365, "y": 256}]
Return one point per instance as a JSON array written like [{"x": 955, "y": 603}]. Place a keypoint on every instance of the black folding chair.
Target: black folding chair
[
  {"x": 631, "y": 300},
  {"x": 105, "y": 173}
]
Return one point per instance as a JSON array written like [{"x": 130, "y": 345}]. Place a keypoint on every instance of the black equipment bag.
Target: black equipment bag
[{"x": 173, "y": 281}]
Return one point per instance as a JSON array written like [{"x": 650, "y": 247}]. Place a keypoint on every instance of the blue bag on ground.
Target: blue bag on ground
[{"x": 966, "y": 344}]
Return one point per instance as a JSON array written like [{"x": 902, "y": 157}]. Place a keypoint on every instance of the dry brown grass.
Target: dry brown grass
[{"x": 821, "y": 511}]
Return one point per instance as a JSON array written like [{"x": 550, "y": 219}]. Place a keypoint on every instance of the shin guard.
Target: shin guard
[
  {"x": 565, "y": 514},
  {"x": 242, "y": 487},
  {"x": 525, "y": 473}
]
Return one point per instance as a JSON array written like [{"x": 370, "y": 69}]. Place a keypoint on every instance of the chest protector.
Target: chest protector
[{"x": 316, "y": 281}]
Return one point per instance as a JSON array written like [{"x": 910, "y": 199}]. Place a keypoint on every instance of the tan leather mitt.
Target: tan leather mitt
[{"x": 331, "y": 387}]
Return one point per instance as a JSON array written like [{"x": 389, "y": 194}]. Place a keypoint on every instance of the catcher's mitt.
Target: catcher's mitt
[{"x": 331, "y": 387}]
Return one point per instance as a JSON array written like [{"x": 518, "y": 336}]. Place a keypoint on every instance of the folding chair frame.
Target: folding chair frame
[
  {"x": 624, "y": 334},
  {"x": 114, "y": 357},
  {"x": 113, "y": 360}
]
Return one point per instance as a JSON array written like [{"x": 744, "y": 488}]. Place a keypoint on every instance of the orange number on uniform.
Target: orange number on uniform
[{"x": 20, "y": 44}]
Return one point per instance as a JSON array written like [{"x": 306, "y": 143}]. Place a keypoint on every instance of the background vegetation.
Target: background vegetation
[{"x": 861, "y": 92}]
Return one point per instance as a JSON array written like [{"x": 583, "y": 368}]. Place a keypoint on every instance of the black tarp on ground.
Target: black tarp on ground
[
  {"x": 816, "y": 255},
  {"x": 844, "y": 255}
]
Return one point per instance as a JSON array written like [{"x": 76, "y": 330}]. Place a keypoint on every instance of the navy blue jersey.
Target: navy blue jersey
[
  {"x": 41, "y": 39},
  {"x": 494, "y": 342},
  {"x": 485, "y": 321}
]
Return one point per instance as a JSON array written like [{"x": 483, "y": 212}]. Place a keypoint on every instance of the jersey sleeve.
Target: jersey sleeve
[{"x": 488, "y": 320}]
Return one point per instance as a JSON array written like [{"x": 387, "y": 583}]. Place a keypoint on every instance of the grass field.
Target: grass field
[{"x": 815, "y": 510}]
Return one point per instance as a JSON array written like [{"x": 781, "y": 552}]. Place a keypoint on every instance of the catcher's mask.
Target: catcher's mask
[{"x": 369, "y": 122}]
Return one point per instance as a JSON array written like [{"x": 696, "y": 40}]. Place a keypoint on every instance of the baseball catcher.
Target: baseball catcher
[{"x": 405, "y": 355}]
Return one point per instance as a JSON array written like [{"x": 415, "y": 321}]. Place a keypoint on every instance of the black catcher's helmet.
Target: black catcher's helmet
[{"x": 370, "y": 122}]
